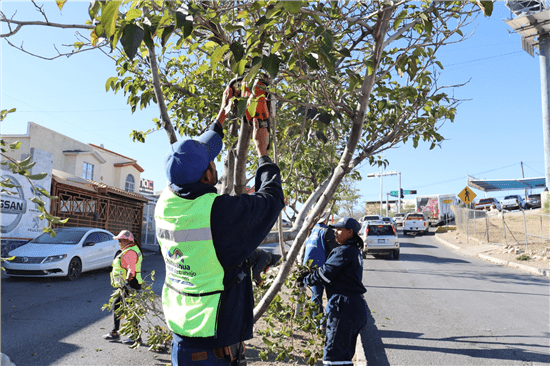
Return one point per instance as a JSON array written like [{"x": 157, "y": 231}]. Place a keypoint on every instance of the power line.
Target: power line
[{"x": 485, "y": 58}]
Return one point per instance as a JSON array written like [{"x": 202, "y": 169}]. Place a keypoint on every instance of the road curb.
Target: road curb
[{"x": 500, "y": 262}]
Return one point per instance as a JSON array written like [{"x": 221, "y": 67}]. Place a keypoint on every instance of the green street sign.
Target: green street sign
[{"x": 394, "y": 193}]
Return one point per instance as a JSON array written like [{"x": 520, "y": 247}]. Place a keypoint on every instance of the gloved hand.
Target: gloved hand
[{"x": 300, "y": 280}]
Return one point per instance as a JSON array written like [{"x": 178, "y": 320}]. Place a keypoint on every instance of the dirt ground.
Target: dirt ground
[{"x": 507, "y": 230}]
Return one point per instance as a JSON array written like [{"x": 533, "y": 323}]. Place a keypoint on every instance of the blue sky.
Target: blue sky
[{"x": 498, "y": 126}]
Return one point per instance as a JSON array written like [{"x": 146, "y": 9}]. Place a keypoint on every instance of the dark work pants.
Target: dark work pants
[{"x": 346, "y": 316}]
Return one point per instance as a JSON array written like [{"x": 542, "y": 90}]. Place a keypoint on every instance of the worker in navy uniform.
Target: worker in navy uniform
[
  {"x": 318, "y": 246},
  {"x": 342, "y": 276}
]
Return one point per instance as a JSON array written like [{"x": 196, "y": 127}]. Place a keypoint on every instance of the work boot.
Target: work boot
[{"x": 111, "y": 336}]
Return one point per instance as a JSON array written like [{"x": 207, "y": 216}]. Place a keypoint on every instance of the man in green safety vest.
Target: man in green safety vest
[
  {"x": 126, "y": 273},
  {"x": 205, "y": 239}
]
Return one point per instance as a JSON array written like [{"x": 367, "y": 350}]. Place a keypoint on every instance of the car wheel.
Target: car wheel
[
  {"x": 396, "y": 254},
  {"x": 75, "y": 269}
]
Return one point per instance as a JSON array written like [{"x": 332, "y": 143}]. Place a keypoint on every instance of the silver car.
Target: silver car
[
  {"x": 380, "y": 238},
  {"x": 69, "y": 253}
]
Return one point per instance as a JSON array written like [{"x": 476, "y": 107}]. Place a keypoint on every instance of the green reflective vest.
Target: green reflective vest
[
  {"x": 193, "y": 287},
  {"x": 119, "y": 273}
]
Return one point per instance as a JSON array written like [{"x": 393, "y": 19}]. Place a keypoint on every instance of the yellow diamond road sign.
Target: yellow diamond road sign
[{"x": 467, "y": 195}]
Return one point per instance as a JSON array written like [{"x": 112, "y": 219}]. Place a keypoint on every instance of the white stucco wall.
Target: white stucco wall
[{"x": 67, "y": 159}]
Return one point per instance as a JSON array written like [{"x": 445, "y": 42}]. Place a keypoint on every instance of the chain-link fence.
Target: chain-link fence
[{"x": 505, "y": 228}]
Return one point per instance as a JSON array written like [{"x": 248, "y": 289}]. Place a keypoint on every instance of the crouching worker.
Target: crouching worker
[
  {"x": 342, "y": 275},
  {"x": 205, "y": 240},
  {"x": 126, "y": 273}
]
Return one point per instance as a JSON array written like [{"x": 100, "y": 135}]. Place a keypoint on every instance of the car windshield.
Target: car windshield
[
  {"x": 62, "y": 237},
  {"x": 415, "y": 217},
  {"x": 510, "y": 197},
  {"x": 380, "y": 230},
  {"x": 486, "y": 200},
  {"x": 534, "y": 196}
]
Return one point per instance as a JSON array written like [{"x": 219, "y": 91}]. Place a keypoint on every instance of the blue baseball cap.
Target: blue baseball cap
[
  {"x": 350, "y": 223},
  {"x": 347, "y": 223},
  {"x": 187, "y": 160}
]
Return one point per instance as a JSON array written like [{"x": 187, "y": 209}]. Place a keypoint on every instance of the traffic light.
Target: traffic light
[
  {"x": 413, "y": 191},
  {"x": 402, "y": 195}
]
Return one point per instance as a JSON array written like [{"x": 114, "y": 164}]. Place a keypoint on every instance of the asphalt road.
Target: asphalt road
[
  {"x": 57, "y": 322},
  {"x": 430, "y": 307},
  {"x": 436, "y": 307}
]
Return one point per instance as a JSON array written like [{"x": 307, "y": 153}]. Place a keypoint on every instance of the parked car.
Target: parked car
[
  {"x": 380, "y": 238},
  {"x": 398, "y": 218},
  {"x": 69, "y": 253},
  {"x": 511, "y": 202},
  {"x": 286, "y": 223},
  {"x": 488, "y": 204},
  {"x": 533, "y": 201}
]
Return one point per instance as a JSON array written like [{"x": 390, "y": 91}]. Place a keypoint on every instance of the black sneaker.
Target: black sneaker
[{"x": 111, "y": 336}]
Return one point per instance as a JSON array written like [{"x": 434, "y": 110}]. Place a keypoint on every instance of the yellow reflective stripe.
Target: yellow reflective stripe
[{"x": 181, "y": 236}]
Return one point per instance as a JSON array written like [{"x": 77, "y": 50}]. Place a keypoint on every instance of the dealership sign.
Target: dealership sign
[
  {"x": 19, "y": 215},
  {"x": 146, "y": 186}
]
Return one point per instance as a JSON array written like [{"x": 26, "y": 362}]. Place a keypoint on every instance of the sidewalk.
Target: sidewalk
[{"x": 488, "y": 252}]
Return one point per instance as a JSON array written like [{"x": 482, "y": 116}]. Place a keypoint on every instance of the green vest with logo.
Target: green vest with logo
[
  {"x": 193, "y": 288},
  {"x": 119, "y": 273}
]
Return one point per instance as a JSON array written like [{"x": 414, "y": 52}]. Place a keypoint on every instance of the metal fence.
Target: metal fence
[{"x": 505, "y": 228}]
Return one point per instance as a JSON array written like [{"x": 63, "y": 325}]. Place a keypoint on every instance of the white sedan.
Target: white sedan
[{"x": 69, "y": 253}]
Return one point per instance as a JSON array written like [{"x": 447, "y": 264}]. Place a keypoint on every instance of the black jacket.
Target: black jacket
[
  {"x": 342, "y": 273},
  {"x": 238, "y": 224}
]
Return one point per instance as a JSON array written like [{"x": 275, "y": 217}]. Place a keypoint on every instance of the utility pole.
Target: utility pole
[
  {"x": 531, "y": 23},
  {"x": 381, "y": 174}
]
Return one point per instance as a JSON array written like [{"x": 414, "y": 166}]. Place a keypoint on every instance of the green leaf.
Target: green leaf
[
  {"x": 38, "y": 176},
  {"x": 93, "y": 9},
  {"x": 241, "y": 67},
  {"x": 131, "y": 39},
  {"x": 217, "y": 55},
  {"x": 184, "y": 24},
  {"x": 292, "y": 6},
  {"x": 345, "y": 52},
  {"x": 238, "y": 51},
  {"x": 133, "y": 14},
  {"x": 271, "y": 64},
  {"x": 25, "y": 162},
  {"x": 486, "y": 7},
  {"x": 15, "y": 146},
  {"x": 312, "y": 61},
  {"x": 166, "y": 33},
  {"x": 109, "y": 16},
  {"x": 241, "y": 107},
  {"x": 261, "y": 21}
]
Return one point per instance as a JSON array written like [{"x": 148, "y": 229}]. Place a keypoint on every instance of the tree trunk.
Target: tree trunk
[
  {"x": 165, "y": 119},
  {"x": 341, "y": 170}
]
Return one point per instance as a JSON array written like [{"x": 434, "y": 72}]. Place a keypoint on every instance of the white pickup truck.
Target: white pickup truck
[
  {"x": 512, "y": 202},
  {"x": 415, "y": 222}
]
